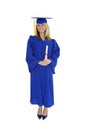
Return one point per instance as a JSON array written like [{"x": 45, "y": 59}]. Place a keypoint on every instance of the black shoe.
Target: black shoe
[
  {"x": 39, "y": 116},
  {"x": 44, "y": 117}
]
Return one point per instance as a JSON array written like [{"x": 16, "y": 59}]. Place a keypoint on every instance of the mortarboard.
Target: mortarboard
[{"x": 39, "y": 20}]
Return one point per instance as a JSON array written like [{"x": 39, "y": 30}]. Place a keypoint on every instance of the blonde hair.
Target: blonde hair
[{"x": 47, "y": 32}]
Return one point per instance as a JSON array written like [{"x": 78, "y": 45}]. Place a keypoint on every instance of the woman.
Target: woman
[{"x": 42, "y": 67}]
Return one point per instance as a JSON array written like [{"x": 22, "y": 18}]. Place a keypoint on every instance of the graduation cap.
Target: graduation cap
[{"x": 39, "y": 20}]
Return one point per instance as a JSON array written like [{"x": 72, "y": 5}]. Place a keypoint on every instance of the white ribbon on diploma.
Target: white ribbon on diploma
[{"x": 46, "y": 52}]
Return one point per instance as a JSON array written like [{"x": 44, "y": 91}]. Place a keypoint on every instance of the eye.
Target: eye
[{"x": 38, "y": 25}]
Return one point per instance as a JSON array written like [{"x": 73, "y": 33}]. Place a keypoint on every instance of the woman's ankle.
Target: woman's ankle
[
  {"x": 45, "y": 111},
  {"x": 40, "y": 110}
]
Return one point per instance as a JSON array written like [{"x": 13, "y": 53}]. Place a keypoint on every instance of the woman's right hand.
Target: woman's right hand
[{"x": 42, "y": 63}]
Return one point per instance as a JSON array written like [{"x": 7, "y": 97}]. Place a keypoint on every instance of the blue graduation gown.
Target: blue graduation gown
[{"x": 41, "y": 77}]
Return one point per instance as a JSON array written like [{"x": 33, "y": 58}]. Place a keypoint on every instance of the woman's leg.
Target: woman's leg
[
  {"x": 39, "y": 113},
  {"x": 45, "y": 113},
  {"x": 39, "y": 110}
]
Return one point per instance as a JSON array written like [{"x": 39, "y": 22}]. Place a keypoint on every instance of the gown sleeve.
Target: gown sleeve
[
  {"x": 31, "y": 60},
  {"x": 55, "y": 55}
]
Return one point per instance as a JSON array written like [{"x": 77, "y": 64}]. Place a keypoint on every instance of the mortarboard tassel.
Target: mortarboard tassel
[{"x": 34, "y": 27}]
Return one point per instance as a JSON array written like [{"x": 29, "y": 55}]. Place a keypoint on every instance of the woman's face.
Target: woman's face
[{"x": 41, "y": 28}]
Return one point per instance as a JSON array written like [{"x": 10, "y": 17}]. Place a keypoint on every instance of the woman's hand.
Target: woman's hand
[{"x": 45, "y": 62}]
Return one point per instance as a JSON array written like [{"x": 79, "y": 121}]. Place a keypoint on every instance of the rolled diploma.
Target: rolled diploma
[{"x": 46, "y": 52}]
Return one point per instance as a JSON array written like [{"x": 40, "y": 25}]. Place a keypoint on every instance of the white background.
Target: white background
[{"x": 69, "y": 28}]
